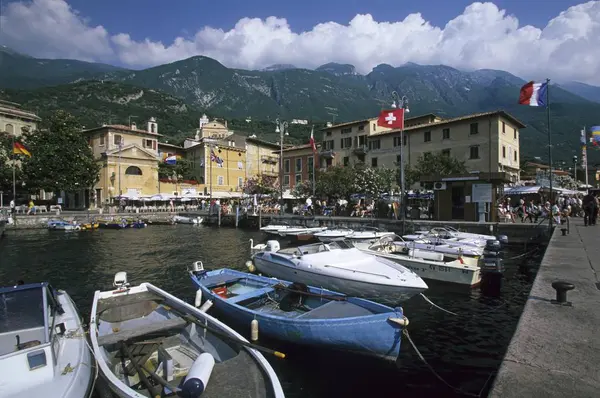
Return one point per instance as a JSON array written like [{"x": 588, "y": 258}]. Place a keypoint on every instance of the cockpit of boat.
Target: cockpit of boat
[
  {"x": 27, "y": 319},
  {"x": 318, "y": 248}
]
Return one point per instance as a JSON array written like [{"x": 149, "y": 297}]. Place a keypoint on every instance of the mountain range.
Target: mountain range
[{"x": 177, "y": 94}]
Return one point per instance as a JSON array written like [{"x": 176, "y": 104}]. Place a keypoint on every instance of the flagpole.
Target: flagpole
[
  {"x": 14, "y": 171},
  {"x": 549, "y": 145}
]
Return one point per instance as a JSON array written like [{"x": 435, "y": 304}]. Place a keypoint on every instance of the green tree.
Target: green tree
[
  {"x": 182, "y": 168},
  {"x": 335, "y": 183},
  {"x": 303, "y": 189},
  {"x": 433, "y": 164},
  {"x": 372, "y": 182},
  {"x": 61, "y": 159},
  {"x": 261, "y": 185}
]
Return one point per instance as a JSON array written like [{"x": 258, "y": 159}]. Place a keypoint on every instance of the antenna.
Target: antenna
[{"x": 332, "y": 111}]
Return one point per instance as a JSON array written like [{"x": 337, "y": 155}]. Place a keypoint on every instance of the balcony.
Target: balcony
[
  {"x": 270, "y": 173},
  {"x": 327, "y": 153},
  {"x": 269, "y": 159},
  {"x": 361, "y": 150}
]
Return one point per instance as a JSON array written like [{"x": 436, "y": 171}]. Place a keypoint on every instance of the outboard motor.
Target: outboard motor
[
  {"x": 503, "y": 239},
  {"x": 493, "y": 248},
  {"x": 273, "y": 246}
]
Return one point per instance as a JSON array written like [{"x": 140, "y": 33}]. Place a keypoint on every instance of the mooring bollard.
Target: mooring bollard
[
  {"x": 564, "y": 231},
  {"x": 562, "y": 288}
]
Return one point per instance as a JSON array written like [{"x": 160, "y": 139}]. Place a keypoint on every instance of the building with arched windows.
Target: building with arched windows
[{"x": 15, "y": 120}]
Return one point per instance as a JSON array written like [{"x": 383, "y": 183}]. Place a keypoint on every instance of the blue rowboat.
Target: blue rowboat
[{"x": 316, "y": 317}]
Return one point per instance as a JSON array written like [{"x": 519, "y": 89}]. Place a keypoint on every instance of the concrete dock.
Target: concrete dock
[{"x": 555, "y": 351}]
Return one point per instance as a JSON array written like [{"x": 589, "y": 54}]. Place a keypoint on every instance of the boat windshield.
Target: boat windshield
[
  {"x": 341, "y": 244},
  {"x": 22, "y": 308}
]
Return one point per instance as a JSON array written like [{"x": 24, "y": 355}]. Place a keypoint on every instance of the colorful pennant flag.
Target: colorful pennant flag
[
  {"x": 595, "y": 140},
  {"x": 20, "y": 149}
]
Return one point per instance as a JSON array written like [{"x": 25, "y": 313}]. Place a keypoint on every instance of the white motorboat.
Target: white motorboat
[
  {"x": 187, "y": 220},
  {"x": 452, "y": 249},
  {"x": 330, "y": 235},
  {"x": 43, "y": 346},
  {"x": 61, "y": 225},
  {"x": 427, "y": 264},
  {"x": 368, "y": 234},
  {"x": 452, "y": 234},
  {"x": 297, "y": 231},
  {"x": 274, "y": 229},
  {"x": 340, "y": 267},
  {"x": 149, "y": 344}
]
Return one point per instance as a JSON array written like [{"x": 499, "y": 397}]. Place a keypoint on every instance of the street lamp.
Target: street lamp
[
  {"x": 403, "y": 103},
  {"x": 575, "y": 168},
  {"x": 281, "y": 128}
]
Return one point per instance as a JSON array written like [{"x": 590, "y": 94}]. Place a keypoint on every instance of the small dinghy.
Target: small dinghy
[
  {"x": 303, "y": 314},
  {"x": 187, "y": 220},
  {"x": 152, "y": 344},
  {"x": 43, "y": 347},
  {"x": 60, "y": 225}
]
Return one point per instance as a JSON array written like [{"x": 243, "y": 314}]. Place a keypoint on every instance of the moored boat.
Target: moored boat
[
  {"x": 330, "y": 235},
  {"x": 273, "y": 229},
  {"x": 187, "y": 220},
  {"x": 303, "y": 314},
  {"x": 43, "y": 346},
  {"x": 367, "y": 234},
  {"x": 61, "y": 225},
  {"x": 340, "y": 267},
  {"x": 150, "y": 343}
]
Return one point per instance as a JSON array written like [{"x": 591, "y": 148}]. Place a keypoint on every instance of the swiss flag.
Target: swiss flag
[{"x": 392, "y": 118}]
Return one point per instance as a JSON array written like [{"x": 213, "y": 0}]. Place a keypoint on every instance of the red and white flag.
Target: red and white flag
[
  {"x": 313, "y": 145},
  {"x": 392, "y": 118}
]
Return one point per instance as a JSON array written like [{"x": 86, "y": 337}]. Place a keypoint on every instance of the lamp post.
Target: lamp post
[
  {"x": 281, "y": 128},
  {"x": 575, "y": 168},
  {"x": 212, "y": 146},
  {"x": 403, "y": 103},
  {"x": 120, "y": 148}
]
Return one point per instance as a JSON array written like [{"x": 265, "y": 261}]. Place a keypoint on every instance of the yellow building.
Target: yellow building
[
  {"x": 129, "y": 160},
  {"x": 260, "y": 159},
  {"x": 15, "y": 120},
  {"x": 487, "y": 142}
]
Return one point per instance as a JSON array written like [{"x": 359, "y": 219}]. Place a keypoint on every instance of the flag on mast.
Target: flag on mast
[
  {"x": 20, "y": 149},
  {"x": 313, "y": 145},
  {"x": 534, "y": 94}
]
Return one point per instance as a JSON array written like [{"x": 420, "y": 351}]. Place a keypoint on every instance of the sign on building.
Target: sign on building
[{"x": 481, "y": 193}]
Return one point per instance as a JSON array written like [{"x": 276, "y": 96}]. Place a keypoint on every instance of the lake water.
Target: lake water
[{"x": 464, "y": 349}]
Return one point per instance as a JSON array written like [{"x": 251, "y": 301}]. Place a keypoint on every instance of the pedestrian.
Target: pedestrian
[
  {"x": 588, "y": 204},
  {"x": 13, "y": 208},
  {"x": 595, "y": 207},
  {"x": 31, "y": 207}
]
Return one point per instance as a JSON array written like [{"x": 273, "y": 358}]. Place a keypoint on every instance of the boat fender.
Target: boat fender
[
  {"x": 206, "y": 306},
  {"x": 197, "y": 378},
  {"x": 198, "y": 299},
  {"x": 399, "y": 321},
  {"x": 123, "y": 223},
  {"x": 250, "y": 265},
  {"x": 77, "y": 228},
  {"x": 254, "y": 330}
]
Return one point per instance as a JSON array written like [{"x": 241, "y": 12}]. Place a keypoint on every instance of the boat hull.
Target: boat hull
[
  {"x": 373, "y": 335},
  {"x": 392, "y": 293}
]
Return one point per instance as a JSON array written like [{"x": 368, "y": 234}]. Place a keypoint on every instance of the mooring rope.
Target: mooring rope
[
  {"x": 523, "y": 255},
  {"x": 435, "y": 305},
  {"x": 440, "y": 378}
]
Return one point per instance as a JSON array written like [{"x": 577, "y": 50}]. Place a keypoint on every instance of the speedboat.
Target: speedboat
[
  {"x": 61, "y": 225},
  {"x": 452, "y": 234},
  {"x": 367, "y": 234},
  {"x": 341, "y": 267},
  {"x": 149, "y": 343},
  {"x": 452, "y": 249},
  {"x": 43, "y": 346},
  {"x": 427, "y": 264},
  {"x": 297, "y": 231},
  {"x": 187, "y": 220},
  {"x": 330, "y": 235},
  {"x": 274, "y": 229},
  {"x": 303, "y": 314}
]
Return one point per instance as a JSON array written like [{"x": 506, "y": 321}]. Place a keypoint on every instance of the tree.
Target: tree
[
  {"x": 303, "y": 189},
  {"x": 433, "y": 164},
  {"x": 372, "y": 182},
  {"x": 61, "y": 159},
  {"x": 335, "y": 183},
  {"x": 182, "y": 168},
  {"x": 260, "y": 185}
]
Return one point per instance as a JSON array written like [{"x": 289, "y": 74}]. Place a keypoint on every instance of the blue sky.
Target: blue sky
[
  {"x": 529, "y": 38},
  {"x": 164, "y": 19}
]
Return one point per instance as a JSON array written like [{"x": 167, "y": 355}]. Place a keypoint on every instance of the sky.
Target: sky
[{"x": 533, "y": 39}]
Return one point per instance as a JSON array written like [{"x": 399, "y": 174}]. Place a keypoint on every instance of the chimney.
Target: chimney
[
  {"x": 225, "y": 123},
  {"x": 133, "y": 126}
]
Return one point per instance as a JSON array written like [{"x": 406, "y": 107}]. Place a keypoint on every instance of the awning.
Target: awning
[{"x": 523, "y": 190}]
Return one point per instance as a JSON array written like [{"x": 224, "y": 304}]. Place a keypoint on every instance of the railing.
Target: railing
[
  {"x": 327, "y": 153},
  {"x": 361, "y": 149},
  {"x": 269, "y": 159}
]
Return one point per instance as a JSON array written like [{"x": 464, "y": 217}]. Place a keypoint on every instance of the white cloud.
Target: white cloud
[{"x": 483, "y": 36}]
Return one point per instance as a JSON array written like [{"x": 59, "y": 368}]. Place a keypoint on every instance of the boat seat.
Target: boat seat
[
  {"x": 336, "y": 309},
  {"x": 217, "y": 280},
  {"x": 154, "y": 327},
  {"x": 253, "y": 293}
]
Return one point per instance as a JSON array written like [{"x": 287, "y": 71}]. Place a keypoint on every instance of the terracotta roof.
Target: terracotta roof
[
  {"x": 170, "y": 145},
  {"x": 335, "y": 126},
  {"x": 457, "y": 119},
  {"x": 121, "y": 127},
  {"x": 19, "y": 112},
  {"x": 262, "y": 142}
]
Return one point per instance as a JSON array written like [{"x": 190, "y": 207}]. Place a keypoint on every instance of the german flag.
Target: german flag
[{"x": 20, "y": 149}]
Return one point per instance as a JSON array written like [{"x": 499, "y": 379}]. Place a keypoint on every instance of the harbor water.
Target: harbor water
[{"x": 465, "y": 350}]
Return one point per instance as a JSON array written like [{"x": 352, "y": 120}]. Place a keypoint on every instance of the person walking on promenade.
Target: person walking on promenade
[
  {"x": 589, "y": 208},
  {"x": 595, "y": 209}
]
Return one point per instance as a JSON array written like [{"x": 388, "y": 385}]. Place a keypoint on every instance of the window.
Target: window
[
  {"x": 133, "y": 171},
  {"x": 152, "y": 128},
  {"x": 427, "y": 136},
  {"x": 397, "y": 141},
  {"x": 298, "y": 178},
  {"x": 347, "y": 130},
  {"x": 503, "y": 152},
  {"x": 398, "y": 159},
  {"x": 474, "y": 128},
  {"x": 329, "y": 145},
  {"x": 362, "y": 140},
  {"x": 373, "y": 162},
  {"x": 101, "y": 140},
  {"x": 286, "y": 166},
  {"x": 148, "y": 143},
  {"x": 346, "y": 161},
  {"x": 503, "y": 128},
  {"x": 446, "y": 152},
  {"x": 286, "y": 180},
  {"x": 515, "y": 134},
  {"x": 474, "y": 152},
  {"x": 220, "y": 180},
  {"x": 375, "y": 144},
  {"x": 117, "y": 140},
  {"x": 240, "y": 182},
  {"x": 361, "y": 158},
  {"x": 299, "y": 165},
  {"x": 515, "y": 156},
  {"x": 374, "y": 126},
  {"x": 328, "y": 134},
  {"x": 346, "y": 142},
  {"x": 446, "y": 134},
  {"x": 361, "y": 127}
]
